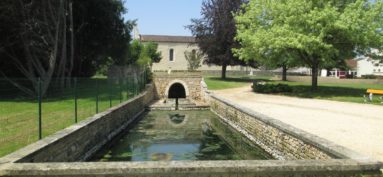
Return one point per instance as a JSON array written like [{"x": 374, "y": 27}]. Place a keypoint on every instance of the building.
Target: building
[
  {"x": 369, "y": 66},
  {"x": 173, "y": 48}
]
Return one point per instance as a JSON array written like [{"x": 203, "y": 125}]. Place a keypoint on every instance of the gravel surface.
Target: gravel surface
[{"x": 356, "y": 126}]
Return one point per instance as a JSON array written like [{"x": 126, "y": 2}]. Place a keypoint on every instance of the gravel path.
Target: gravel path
[{"x": 356, "y": 126}]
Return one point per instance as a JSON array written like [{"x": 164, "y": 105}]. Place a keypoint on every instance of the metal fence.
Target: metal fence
[{"x": 25, "y": 118}]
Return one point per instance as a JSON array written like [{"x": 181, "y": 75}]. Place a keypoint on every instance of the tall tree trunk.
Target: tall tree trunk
[
  {"x": 63, "y": 59},
  {"x": 284, "y": 73},
  {"x": 314, "y": 76},
  {"x": 223, "y": 72},
  {"x": 71, "y": 30}
]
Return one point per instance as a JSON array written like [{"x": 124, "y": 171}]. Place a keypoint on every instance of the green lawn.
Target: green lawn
[
  {"x": 216, "y": 83},
  {"x": 19, "y": 115},
  {"x": 336, "y": 92}
]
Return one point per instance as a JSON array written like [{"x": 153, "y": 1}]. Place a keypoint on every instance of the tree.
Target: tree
[
  {"x": 152, "y": 52},
  {"x": 143, "y": 54},
  {"x": 215, "y": 32},
  {"x": 101, "y": 33},
  {"x": 59, "y": 39},
  {"x": 319, "y": 32},
  {"x": 40, "y": 35},
  {"x": 194, "y": 59}
]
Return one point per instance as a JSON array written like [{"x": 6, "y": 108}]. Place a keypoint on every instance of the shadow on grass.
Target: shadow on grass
[{"x": 304, "y": 91}]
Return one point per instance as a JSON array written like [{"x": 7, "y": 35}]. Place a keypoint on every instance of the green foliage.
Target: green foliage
[
  {"x": 103, "y": 68},
  {"x": 99, "y": 30},
  {"x": 194, "y": 59},
  {"x": 152, "y": 52},
  {"x": 314, "y": 32},
  {"x": 134, "y": 52},
  {"x": 369, "y": 76},
  {"x": 143, "y": 54},
  {"x": 271, "y": 88},
  {"x": 215, "y": 32}
]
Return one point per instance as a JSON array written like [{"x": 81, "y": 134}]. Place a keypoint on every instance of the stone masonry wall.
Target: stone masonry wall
[
  {"x": 190, "y": 81},
  {"x": 80, "y": 141},
  {"x": 280, "y": 144}
]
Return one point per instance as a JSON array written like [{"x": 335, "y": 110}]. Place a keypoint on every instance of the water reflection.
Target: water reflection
[
  {"x": 177, "y": 119},
  {"x": 181, "y": 135}
]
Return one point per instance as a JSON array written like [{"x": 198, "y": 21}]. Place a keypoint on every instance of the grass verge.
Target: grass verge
[
  {"x": 336, "y": 92},
  {"x": 19, "y": 115}
]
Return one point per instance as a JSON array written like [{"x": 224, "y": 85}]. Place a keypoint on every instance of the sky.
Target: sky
[{"x": 163, "y": 17}]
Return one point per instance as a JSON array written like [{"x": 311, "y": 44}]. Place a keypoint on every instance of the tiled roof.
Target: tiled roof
[
  {"x": 353, "y": 64},
  {"x": 162, "y": 38}
]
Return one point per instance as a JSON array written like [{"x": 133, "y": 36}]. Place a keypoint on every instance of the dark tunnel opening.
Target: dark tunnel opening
[{"x": 177, "y": 90}]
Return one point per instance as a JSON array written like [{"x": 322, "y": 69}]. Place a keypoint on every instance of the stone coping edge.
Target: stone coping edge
[
  {"x": 51, "y": 139},
  {"x": 320, "y": 143},
  {"x": 192, "y": 108},
  {"x": 181, "y": 168}
]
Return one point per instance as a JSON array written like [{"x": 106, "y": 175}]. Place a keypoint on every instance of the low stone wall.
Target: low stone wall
[
  {"x": 283, "y": 141},
  {"x": 330, "y": 80},
  {"x": 245, "y": 168},
  {"x": 80, "y": 141}
]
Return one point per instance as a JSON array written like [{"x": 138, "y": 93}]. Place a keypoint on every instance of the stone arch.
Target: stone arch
[
  {"x": 176, "y": 82},
  {"x": 177, "y": 90}
]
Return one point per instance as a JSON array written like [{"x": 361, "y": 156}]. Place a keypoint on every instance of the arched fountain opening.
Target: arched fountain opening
[{"x": 177, "y": 91}]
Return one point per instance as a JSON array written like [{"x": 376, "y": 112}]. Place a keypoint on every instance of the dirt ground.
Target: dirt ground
[{"x": 356, "y": 126}]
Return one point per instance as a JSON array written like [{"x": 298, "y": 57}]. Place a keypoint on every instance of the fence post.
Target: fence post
[
  {"x": 145, "y": 76},
  {"x": 110, "y": 93},
  {"x": 141, "y": 81},
  {"x": 127, "y": 87},
  {"x": 75, "y": 100},
  {"x": 137, "y": 84},
  {"x": 39, "y": 97},
  {"x": 120, "y": 87},
  {"x": 97, "y": 87}
]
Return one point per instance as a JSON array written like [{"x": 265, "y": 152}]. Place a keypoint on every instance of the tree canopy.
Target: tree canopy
[
  {"x": 60, "y": 38},
  {"x": 316, "y": 32},
  {"x": 143, "y": 54},
  {"x": 215, "y": 32}
]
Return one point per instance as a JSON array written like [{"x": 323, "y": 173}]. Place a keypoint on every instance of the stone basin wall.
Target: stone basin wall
[{"x": 282, "y": 141}]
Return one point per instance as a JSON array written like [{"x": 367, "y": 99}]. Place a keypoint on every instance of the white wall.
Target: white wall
[
  {"x": 368, "y": 66},
  {"x": 180, "y": 62}
]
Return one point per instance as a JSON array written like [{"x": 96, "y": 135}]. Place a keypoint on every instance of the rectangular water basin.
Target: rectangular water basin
[{"x": 180, "y": 135}]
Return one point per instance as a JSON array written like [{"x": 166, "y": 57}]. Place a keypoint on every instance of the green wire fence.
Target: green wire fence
[{"x": 25, "y": 118}]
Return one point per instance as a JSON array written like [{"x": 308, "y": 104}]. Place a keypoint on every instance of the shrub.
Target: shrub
[
  {"x": 369, "y": 77},
  {"x": 260, "y": 87}
]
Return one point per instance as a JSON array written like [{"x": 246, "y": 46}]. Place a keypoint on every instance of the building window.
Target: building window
[{"x": 171, "y": 55}]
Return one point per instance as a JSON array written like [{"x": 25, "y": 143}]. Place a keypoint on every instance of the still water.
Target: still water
[{"x": 180, "y": 135}]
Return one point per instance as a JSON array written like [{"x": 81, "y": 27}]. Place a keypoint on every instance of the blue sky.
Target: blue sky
[{"x": 163, "y": 17}]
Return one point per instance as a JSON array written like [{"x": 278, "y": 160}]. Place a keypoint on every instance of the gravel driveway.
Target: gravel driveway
[{"x": 356, "y": 126}]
